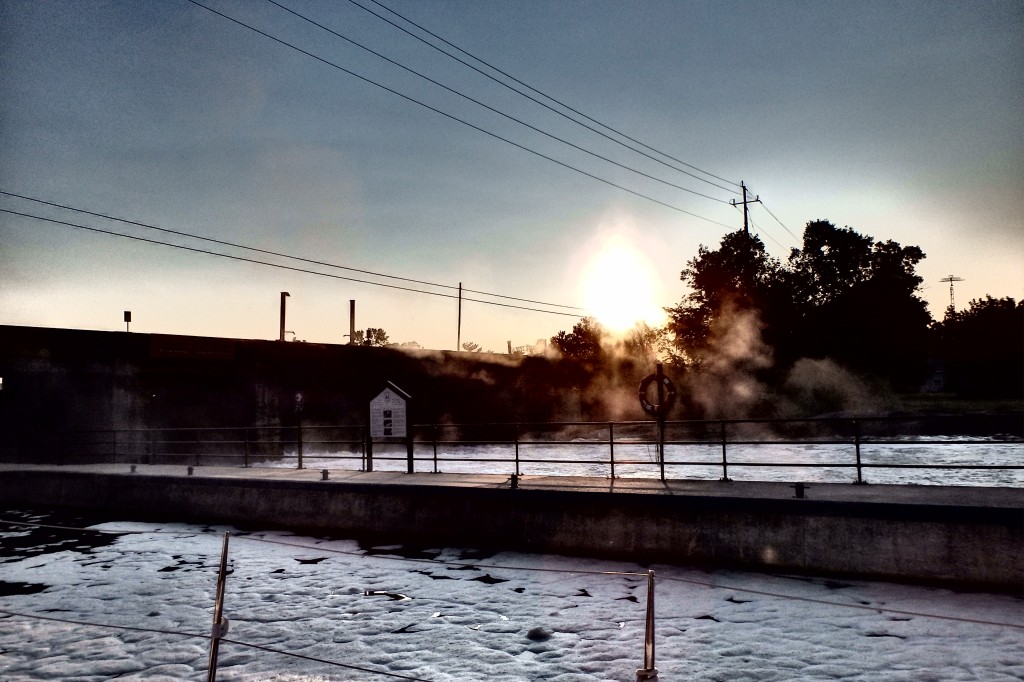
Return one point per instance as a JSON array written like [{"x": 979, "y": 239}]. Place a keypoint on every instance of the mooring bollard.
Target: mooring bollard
[
  {"x": 649, "y": 672},
  {"x": 133, "y": 468},
  {"x": 514, "y": 481},
  {"x": 799, "y": 489},
  {"x": 190, "y": 471},
  {"x": 324, "y": 474}
]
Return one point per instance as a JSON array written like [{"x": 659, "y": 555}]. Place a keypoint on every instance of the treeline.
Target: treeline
[{"x": 840, "y": 317}]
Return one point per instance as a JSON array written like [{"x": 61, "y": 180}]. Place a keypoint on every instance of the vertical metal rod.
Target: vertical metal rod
[
  {"x": 114, "y": 447},
  {"x": 517, "y": 449},
  {"x": 362, "y": 444},
  {"x": 219, "y": 622},
  {"x": 725, "y": 460},
  {"x": 246, "y": 434},
  {"x": 197, "y": 447},
  {"x": 611, "y": 446},
  {"x": 433, "y": 433},
  {"x": 298, "y": 442},
  {"x": 660, "y": 409},
  {"x": 369, "y": 449},
  {"x": 856, "y": 447},
  {"x": 721, "y": 427},
  {"x": 649, "y": 672},
  {"x": 410, "y": 446}
]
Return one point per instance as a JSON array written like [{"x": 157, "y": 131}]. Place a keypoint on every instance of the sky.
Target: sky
[{"x": 901, "y": 120}]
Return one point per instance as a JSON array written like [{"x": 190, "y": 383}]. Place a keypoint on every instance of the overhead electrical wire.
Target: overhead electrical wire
[
  {"x": 490, "y": 108},
  {"x": 546, "y": 96},
  {"x": 781, "y": 223},
  {"x": 276, "y": 253},
  {"x": 278, "y": 265},
  {"x": 450, "y": 116}
]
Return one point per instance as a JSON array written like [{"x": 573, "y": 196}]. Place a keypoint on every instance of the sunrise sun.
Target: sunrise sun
[{"x": 618, "y": 285}]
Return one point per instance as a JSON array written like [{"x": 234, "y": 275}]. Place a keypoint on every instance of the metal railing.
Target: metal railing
[{"x": 694, "y": 448}]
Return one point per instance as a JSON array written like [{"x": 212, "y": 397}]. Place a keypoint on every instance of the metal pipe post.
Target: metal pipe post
[
  {"x": 517, "y": 450},
  {"x": 649, "y": 672},
  {"x": 725, "y": 460},
  {"x": 611, "y": 446},
  {"x": 856, "y": 446},
  {"x": 220, "y": 623}
]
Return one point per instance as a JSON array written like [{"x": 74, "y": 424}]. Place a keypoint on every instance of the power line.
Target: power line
[
  {"x": 450, "y": 116},
  {"x": 542, "y": 94},
  {"x": 277, "y": 265},
  {"x": 490, "y": 108},
  {"x": 275, "y": 253},
  {"x": 780, "y": 223}
]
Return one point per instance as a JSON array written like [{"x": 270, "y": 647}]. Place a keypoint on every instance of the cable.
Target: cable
[
  {"x": 274, "y": 253},
  {"x": 490, "y": 108},
  {"x": 280, "y": 266},
  {"x": 781, "y": 223},
  {"x": 451, "y": 116},
  {"x": 549, "y": 97},
  {"x": 865, "y": 607},
  {"x": 701, "y": 583},
  {"x": 129, "y": 628}
]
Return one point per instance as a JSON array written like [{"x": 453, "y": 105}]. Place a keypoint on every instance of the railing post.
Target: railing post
[
  {"x": 611, "y": 446},
  {"x": 298, "y": 443},
  {"x": 661, "y": 442},
  {"x": 245, "y": 433},
  {"x": 725, "y": 459},
  {"x": 368, "y": 442},
  {"x": 433, "y": 436},
  {"x": 856, "y": 449},
  {"x": 113, "y": 447},
  {"x": 196, "y": 454},
  {"x": 517, "y": 449},
  {"x": 649, "y": 672}
]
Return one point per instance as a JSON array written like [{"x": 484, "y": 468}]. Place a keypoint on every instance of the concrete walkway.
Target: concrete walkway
[{"x": 952, "y": 496}]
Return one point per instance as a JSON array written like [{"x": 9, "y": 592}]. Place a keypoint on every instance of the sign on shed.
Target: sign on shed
[{"x": 389, "y": 413}]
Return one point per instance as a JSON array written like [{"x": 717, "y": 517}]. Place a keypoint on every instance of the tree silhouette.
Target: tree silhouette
[
  {"x": 373, "y": 336},
  {"x": 841, "y": 296},
  {"x": 583, "y": 343},
  {"x": 982, "y": 348}
]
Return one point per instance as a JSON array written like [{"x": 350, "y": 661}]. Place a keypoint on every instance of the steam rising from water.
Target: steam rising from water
[{"x": 727, "y": 386}]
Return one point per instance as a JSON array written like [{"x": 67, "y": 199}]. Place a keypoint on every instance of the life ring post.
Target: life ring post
[{"x": 665, "y": 395}]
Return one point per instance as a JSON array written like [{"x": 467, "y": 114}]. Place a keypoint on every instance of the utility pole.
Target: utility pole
[
  {"x": 951, "y": 279},
  {"x": 755, "y": 200},
  {"x": 458, "y": 331}
]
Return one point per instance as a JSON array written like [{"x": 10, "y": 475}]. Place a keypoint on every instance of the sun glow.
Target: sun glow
[{"x": 618, "y": 285}]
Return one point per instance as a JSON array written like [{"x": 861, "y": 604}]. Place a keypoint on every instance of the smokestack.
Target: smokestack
[
  {"x": 284, "y": 295},
  {"x": 351, "y": 320}
]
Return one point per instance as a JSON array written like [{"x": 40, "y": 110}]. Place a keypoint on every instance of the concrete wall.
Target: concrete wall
[{"x": 970, "y": 545}]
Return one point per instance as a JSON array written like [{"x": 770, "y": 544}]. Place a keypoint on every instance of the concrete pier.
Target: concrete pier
[{"x": 957, "y": 536}]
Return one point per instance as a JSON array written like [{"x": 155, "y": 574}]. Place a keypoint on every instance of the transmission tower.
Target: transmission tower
[{"x": 951, "y": 279}]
